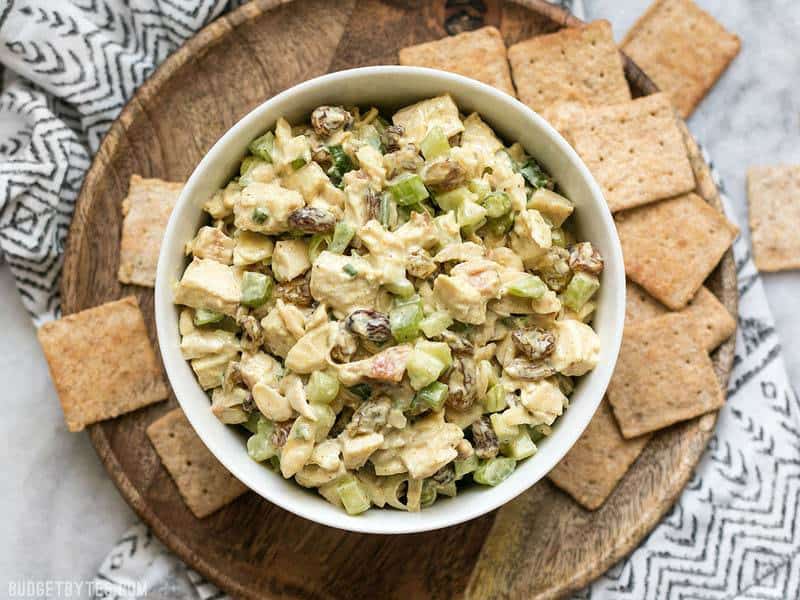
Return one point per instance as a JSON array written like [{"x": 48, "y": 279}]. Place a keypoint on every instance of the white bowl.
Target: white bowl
[{"x": 392, "y": 87}]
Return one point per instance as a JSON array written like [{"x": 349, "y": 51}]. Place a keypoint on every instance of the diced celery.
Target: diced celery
[
  {"x": 466, "y": 466},
  {"x": 494, "y": 471},
  {"x": 428, "y": 495},
  {"x": 322, "y": 387},
  {"x": 317, "y": 244},
  {"x": 480, "y": 188},
  {"x": 534, "y": 175},
  {"x": 262, "y": 146},
  {"x": 519, "y": 447},
  {"x": 341, "y": 163},
  {"x": 530, "y": 286},
  {"x": 434, "y": 144},
  {"x": 256, "y": 289},
  {"x": 260, "y": 214},
  {"x": 559, "y": 237},
  {"x": 431, "y": 397},
  {"x": 385, "y": 210},
  {"x": 298, "y": 163},
  {"x": 248, "y": 163},
  {"x": 435, "y": 323},
  {"x": 495, "y": 399},
  {"x": 503, "y": 430},
  {"x": 405, "y": 317},
  {"x": 203, "y": 316},
  {"x": 352, "y": 495},
  {"x": 408, "y": 189},
  {"x": 403, "y": 288},
  {"x": 427, "y": 362},
  {"x": 496, "y": 204},
  {"x": 342, "y": 235},
  {"x": 453, "y": 199},
  {"x": 252, "y": 422},
  {"x": 470, "y": 214},
  {"x": 580, "y": 289},
  {"x": 350, "y": 270},
  {"x": 325, "y": 419},
  {"x": 448, "y": 489},
  {"x": 259, "y": 446}
]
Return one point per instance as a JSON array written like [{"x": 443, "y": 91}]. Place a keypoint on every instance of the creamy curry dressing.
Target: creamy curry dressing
[{"x": 392, "y": 309}]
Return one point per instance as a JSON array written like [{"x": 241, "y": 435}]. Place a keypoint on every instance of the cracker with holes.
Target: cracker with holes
[
  {"x": 102, "y": 363},
  {"x": 576, "y": 64},
  {"x": 635, "y": 150},
  {"x": 479, "y": 54},
  {"x": 146, "y": 211},
  {"x": 597, "y": 462},
  {"x": 672, "y": 246},
  {"x": 204, "y": 484},
  {"x": 773, "y": 194},
  {"x": 704, "y": 316},
  {"x": 663, "y": 376},
  {"x": 682, "y": 48}
]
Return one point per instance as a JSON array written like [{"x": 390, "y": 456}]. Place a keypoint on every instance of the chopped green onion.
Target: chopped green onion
[
  {"x": 298, "y": 163},
  {"x": 529, "y": 286},
  {"x": 453, "y": 199},
  {"x": 262, "y": 146},
  {"x": 494, "y": 471},
  {"x": 495, "y": 399},
  {"x": 352, "y": 495},
  {"x": 496, "y": 204},
  {"x": 362, "y": 390},
  {"x": 385, "y": 210},
  {"x": 350, "y": 270},
  {"x": 408, "y": 189},
  {"x": 434, "y": 144},
  {"x": 535, "y": 175},
  {"x": 435, "y": 323},
  {"x": 501, "y": 225},
  {"x": 405, "y": 317},
  {"x": 581, "y": 288},
  {"x": 519, "y": 447},
  {"x": 317, "y": 244},
  {"x": 260, "y": 214},
  {"x": 342, "y": 235},
  {"x": 342, "y": 163},
  {"x": 466, "y": 466},
  {"x": 431, "y": 397},
  {"x": 203, "y": 316},
  {"x": 322, "y": 388},
  {"x": 256, "y": 289}
]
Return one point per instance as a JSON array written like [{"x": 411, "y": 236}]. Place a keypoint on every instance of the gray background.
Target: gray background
[{"x": 60, "y": 511}]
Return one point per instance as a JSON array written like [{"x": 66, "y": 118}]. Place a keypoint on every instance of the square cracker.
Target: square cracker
[
  {"x": 670, "y": 247},
  {"x": 663, "y": 376},
  {"x": 635, "y": 150},
  {"x": 575, "y": 64},
  {"x": 146, "y": 211},
  {"x": 597, "y": 462},
  {"x": 773, "y": 194},
  {"x": 682, "y": 48},
  {"x": 204, "y": 484},
  {"x": 705, "y": 316},
  {"x": 480, "y": 54},
  {"x": 102, "y": 362}
]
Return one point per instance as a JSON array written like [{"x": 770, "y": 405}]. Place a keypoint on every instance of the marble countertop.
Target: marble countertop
[{"x": 61, "y": 513}]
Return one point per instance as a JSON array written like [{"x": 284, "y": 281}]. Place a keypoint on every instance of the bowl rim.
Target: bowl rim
[{"x": 164, "y": 307}]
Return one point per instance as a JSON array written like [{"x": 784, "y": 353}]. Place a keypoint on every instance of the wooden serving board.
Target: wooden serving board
[{"x": 541, "y": 545}]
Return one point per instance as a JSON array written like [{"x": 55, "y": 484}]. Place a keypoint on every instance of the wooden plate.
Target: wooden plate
[{"x": 252, "y": 548}]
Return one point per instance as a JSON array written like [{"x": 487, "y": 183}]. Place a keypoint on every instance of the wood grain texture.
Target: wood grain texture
[{"x": 251, "y": 548}]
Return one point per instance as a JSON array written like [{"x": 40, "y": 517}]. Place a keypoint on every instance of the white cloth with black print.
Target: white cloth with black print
[{"x": 70, "y": 66}]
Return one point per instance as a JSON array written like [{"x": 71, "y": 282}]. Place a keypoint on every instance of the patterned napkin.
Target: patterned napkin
[{"x": 69, "y": 69}]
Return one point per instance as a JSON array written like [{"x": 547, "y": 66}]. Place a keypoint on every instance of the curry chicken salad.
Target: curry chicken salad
[{"x": 392, "y": 309}]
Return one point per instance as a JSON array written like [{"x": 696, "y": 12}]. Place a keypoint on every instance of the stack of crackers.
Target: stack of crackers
[
  {"x": 649, "y": 170},
  {"x": 102, "y": 359}
]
